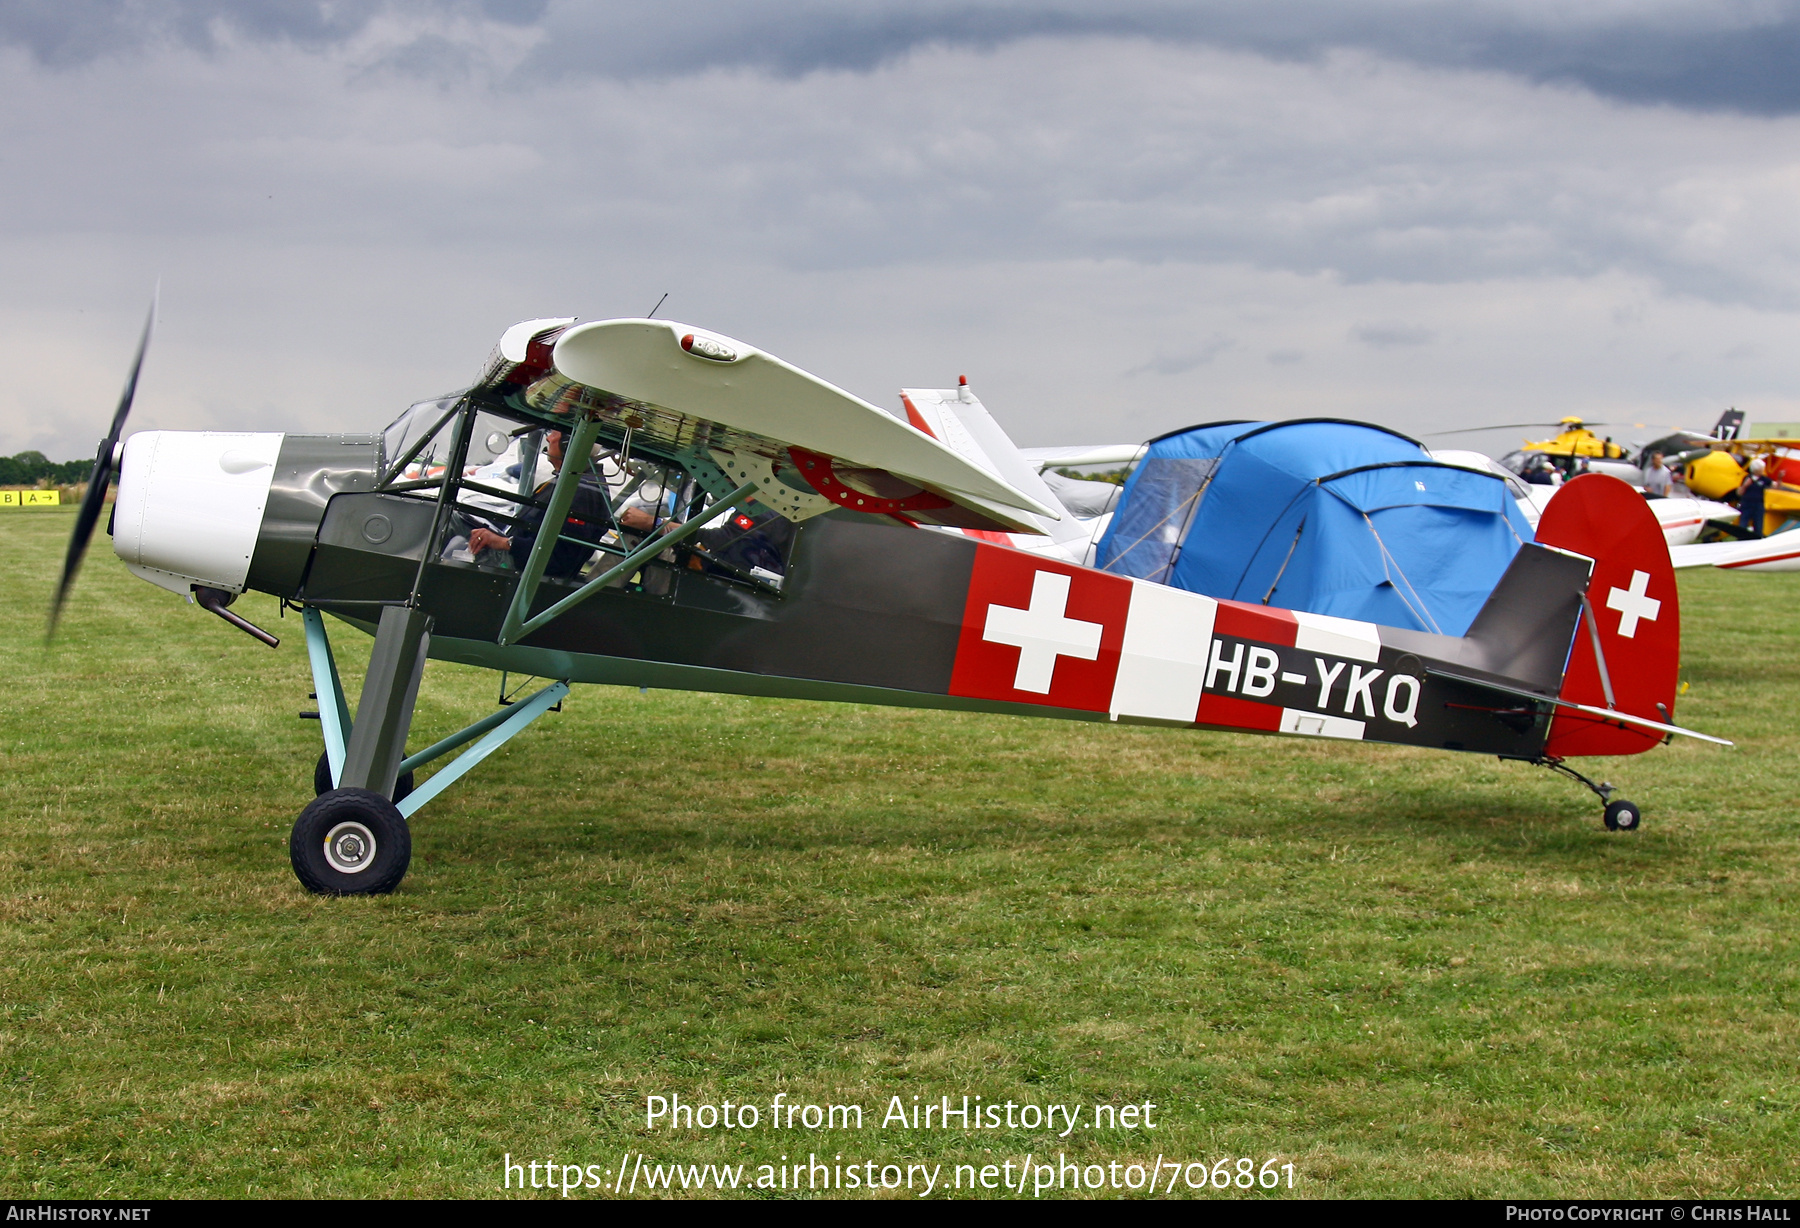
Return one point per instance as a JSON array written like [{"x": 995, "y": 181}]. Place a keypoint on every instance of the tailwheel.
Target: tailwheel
[
  {"x": 1619, "y": 815},
  {"x": 1623, "y": 816},
  {"x": 350, "y": 842},
  {"x": 322, "y": 779}
]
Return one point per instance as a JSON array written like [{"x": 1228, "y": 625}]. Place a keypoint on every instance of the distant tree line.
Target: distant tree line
[
  {"x": 1115, "y": 476},
  {"x": 30, "y": 468}
]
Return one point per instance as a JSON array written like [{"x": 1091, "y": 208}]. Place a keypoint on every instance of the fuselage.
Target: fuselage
[{"x": 869, "y": 610}]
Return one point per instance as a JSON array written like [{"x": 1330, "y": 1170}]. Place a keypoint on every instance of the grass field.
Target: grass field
[{"x": 1407, "y": 973}]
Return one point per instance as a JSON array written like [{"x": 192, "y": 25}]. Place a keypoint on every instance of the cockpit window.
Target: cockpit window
[
  {"x": 493, "y": 437},
  {"x": 405, "y": 431}
]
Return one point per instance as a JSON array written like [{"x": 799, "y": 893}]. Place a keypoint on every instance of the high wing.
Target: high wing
[{"x": 705, "y": 394}]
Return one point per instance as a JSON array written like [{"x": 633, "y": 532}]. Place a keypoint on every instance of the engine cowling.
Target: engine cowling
[{"x": 190, "y": 505}]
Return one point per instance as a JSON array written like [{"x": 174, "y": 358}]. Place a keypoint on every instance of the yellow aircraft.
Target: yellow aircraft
[
  {"x": 1712, "y": 466},
  {"x": 1576, "y": 439},
  {"x": 1716, "y": 470}
]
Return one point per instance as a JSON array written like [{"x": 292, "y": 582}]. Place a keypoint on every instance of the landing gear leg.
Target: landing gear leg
[
  {"x": 377, "y": 740},
  {"x": 1620, "y": 815},
  {"x": 322, "y": 779},
  {"x": 352, "y": 839}
]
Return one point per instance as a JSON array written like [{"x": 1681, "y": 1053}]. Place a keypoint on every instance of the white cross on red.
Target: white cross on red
[
  {"x": 1633, "y": 605},
  {"x": 1042, "y": 633}
]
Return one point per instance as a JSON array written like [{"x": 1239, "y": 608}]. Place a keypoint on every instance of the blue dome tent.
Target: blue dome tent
[{"x": 1316, "y": 514}]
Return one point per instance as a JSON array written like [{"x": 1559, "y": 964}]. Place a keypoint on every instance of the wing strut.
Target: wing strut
[
  {"x": 562, "y": 496},
  {"x": 656, "y": 544},
  {"x": 517, "y": 626}
]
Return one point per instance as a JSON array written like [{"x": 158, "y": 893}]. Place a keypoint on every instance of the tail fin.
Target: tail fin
[
  {"x": 1627, "y": 648},
  {"x": 957, "y": 418}
]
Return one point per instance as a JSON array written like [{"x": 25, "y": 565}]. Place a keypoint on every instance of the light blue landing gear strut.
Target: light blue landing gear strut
[
  {"x": 334, "y": 713},
  {"x": 493, "y": 730}
]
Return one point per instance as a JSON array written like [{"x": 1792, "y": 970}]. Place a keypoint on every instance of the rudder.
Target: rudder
[{"x": 1632, "y": 615}]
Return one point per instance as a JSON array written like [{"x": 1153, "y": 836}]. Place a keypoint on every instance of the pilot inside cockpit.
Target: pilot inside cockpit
[
  {"x": 590, "y": 519},
  {"x": 750, "y": 541}
]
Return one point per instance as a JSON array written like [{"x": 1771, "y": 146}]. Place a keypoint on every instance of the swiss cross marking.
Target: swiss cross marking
[
  {"x": 1042, "y": 633},
  {"x": 1633, "y": 605}
]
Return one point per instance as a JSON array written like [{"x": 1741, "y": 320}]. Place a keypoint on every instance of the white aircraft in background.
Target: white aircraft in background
[
  {"x": 1682, "y": 520},
  {"x": 957, "y": 418}
]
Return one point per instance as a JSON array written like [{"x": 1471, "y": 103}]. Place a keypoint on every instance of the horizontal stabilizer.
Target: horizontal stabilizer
[
  {"x": 1604, "y": 714},
  {"x": 1778, "y": 553}
]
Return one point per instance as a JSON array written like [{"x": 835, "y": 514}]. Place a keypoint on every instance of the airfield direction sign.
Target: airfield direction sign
[{"x": 30, "y": 498}]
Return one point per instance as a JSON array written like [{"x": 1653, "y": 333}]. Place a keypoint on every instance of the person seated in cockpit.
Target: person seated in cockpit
[
  {"x": 750, "y": 539},
  {"x": 589, "y": 520}
]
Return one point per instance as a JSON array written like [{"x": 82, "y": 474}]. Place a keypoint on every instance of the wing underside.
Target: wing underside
[{"x": 727, "y": 410}]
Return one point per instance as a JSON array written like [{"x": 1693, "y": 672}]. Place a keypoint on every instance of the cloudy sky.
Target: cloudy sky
[{"x": 1115, "y": 216}]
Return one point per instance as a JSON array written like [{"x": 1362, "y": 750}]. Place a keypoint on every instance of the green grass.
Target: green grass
[{"x": 1408, "y": 973}]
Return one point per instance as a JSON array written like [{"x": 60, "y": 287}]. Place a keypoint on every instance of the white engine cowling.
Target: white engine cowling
[{"x": 190, "y": 505}]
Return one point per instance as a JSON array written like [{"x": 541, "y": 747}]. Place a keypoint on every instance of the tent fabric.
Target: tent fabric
[{"x": 1320, "y": 515}]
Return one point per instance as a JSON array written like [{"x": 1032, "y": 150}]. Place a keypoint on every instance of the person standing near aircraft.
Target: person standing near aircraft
[
  {"x": 1657, "y": 478},
  {"x": 589, "y": 520},
  {"x": 1750, "y": 498}
]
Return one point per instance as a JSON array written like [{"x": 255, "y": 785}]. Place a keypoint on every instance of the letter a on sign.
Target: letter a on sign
[{"x": 1039, "y": 632}]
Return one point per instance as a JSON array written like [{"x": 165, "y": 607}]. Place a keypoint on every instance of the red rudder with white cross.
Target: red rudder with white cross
[{"x": 1627, "y": 648}]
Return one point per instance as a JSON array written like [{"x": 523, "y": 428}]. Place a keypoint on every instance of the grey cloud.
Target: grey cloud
[
  {"x": 68, "y": 32},
  {"x": 1181, "y": 361},
  {"x": 431, "y": 57},
  {"x": 1719, "y": 55},
  {"x": 1045, "y": 216},
  {"x": 1390, "y": 336},
  {"x": 1045, "y": 151},
  {"x": 1691, "y": 53}
]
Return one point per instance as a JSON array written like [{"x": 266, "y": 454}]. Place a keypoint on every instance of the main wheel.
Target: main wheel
[
  {"x": 350, "y": 842},
  {"x": 1623, "y": 816},
  {"x": 322, "y": 779}
]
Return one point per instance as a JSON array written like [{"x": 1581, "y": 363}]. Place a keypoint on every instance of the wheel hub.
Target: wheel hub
[{"x": 350, "y": 848}]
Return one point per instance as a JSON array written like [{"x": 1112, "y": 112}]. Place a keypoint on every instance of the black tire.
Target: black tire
[
  {"x": 348, "y": 820},
  {"x": 322, "y": 779},
  {"x": 1623, "y": 816}
]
